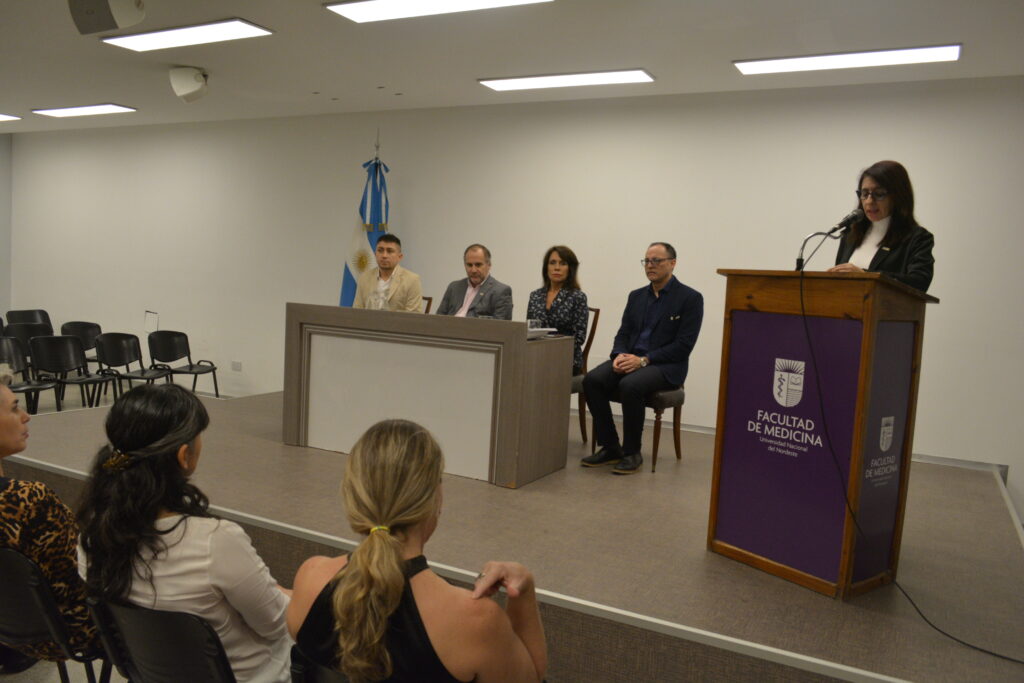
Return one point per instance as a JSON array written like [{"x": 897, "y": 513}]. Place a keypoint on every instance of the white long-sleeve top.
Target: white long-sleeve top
[{"x": 210, "y": 569}]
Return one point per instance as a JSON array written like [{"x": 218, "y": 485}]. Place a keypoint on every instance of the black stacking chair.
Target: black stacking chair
[
  {"x": 154, "y": 646},
  {"x": 117, "y": 351},
  {"x": 305, "y": 670},
  {"x": 60, "y": 358},
  {"x": 167, "y": 346},
  {"x": 29, "y": 613},
  {"x": 34, "y": 315},
  {"x": 24, "y": 332},
  {"x": 10, "y": 353},
  {"x": 85, "y": 331}
]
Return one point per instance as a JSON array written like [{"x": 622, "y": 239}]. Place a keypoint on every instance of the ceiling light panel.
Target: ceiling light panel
[
  {"x": 90, "y": 110},
  {"x": 383, "y": 10},
  {"x": 568, "y": 80},
  {"x": 231, "y": 29},
  {"x": 850, "y": 60},
  {"x": 6, "y": 117}
]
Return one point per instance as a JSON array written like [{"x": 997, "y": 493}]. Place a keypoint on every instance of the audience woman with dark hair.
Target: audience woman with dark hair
[
  {"x": 148, "y": 537},
  {"x": 560, "y": 303},
  {"x": 35, "y": 522},
  {"x": 887, "y": 239},
  {"x": 381, "y": 613}
]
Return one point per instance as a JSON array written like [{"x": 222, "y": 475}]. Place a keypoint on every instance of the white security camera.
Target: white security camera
[{"x": 188, "y": 82}]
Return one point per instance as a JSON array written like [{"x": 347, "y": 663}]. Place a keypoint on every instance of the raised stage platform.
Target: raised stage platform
[{"x": 630, "y": 593}]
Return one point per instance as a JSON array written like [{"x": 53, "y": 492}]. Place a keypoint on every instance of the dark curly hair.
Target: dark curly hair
[{"x": 136, "y": 477}]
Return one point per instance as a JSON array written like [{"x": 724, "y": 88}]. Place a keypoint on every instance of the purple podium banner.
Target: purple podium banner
[{"x": 781, "y": 493}]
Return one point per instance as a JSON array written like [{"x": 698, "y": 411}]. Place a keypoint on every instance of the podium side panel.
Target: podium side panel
[
  {"x": 780, "y": 495},
  {"x": 882, "y": 458}
]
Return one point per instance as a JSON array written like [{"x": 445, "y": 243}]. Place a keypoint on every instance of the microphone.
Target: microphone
[
  {"x": 848, "y": 220},
  {"x": 834, "y": 233}
]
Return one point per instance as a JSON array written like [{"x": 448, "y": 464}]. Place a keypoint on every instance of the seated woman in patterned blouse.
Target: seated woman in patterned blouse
[
  {"x": 560, "y": 303},
  {"x": 35, "y": 522}
]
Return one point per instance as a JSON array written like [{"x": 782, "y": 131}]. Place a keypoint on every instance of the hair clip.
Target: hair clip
[{"x": 117, "y": 462}]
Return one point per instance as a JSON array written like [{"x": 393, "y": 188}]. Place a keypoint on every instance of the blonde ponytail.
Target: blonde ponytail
[{"x": 390, "y": 485}]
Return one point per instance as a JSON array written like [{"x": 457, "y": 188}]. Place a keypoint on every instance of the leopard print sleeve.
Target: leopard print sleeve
[{"x": 41, "y": 527}]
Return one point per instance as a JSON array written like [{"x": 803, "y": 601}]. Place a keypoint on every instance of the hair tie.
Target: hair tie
[
  {"x": 117, "y": 461},
  {"x": 383, "y": 528}
]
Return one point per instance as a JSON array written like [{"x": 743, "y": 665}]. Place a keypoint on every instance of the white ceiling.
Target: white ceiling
[{"x": 317, "y": 62}]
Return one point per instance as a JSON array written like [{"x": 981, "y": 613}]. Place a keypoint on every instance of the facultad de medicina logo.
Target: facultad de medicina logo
[{"x": 788, "y": 384}]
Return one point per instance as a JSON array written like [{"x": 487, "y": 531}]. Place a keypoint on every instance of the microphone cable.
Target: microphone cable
[{"x": 845, "y": 490}]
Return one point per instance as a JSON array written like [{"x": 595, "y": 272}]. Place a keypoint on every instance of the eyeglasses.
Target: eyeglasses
[
  {"x": 877, "y": 195},
  {"x": 653, "y": 261}
]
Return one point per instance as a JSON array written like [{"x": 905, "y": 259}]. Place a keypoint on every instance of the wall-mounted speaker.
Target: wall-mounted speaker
[{"x": 93, "y": 16}]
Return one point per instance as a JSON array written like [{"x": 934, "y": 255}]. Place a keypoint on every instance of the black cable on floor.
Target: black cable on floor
[{"x": 846, "y": 493}]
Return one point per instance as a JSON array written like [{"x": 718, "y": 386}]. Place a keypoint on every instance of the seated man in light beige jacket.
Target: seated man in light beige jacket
[{"x": 389, "y": 287}]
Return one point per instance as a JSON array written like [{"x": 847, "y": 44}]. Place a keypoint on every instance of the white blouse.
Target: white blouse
[
  {"x": 210, "y": 569},
  {"x": 869, "y": 246}
]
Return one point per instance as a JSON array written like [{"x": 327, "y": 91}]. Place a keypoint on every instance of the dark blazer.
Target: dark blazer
[
  {"x": 493, "y": 299},
  {"x": 911, "y": 261},
  {"x": 675, "y": 332}
]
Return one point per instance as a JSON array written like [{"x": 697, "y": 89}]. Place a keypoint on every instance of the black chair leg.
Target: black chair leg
[
  {"x": 195, "y": 378},
  {"x": 216, "y": 390},
  {"x": 63, "y": 671}
]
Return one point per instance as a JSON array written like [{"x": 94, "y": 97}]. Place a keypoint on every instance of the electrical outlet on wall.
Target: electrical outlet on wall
[{"x": 236, "y": 365}]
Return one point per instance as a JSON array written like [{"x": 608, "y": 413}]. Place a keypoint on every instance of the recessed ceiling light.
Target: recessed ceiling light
[
  {"x": 5, "y": 117},
  {"x": 568, "y": 80},
  {"x": 230, "y": 29},
  {"x": 90, "y": 110},
  {"x": 850, "y": 60},
  {"x": 383, "y": 10}
]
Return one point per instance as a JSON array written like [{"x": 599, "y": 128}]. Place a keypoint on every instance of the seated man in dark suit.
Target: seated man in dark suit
[
  {"x": 651, "y": 352},
  {"x": 479, "y": 295}
]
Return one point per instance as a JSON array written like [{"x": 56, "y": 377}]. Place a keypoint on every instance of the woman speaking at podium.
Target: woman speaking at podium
[{"x": 887, "y": 239}]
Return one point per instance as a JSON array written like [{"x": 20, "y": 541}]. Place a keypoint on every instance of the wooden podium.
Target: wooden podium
[{"x": 815, "y": 425}]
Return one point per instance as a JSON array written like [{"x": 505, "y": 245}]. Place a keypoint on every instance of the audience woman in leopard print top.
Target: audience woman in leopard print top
[{"x": 35, "y": 522}]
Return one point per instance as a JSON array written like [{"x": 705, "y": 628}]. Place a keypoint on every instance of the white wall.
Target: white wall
[
  {"x": 217, "y": 225},
  {"x": 5, "y": 224}
]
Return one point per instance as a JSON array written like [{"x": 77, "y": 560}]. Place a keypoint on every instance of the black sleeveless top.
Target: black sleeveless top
[{"x": 412, "y": 656}]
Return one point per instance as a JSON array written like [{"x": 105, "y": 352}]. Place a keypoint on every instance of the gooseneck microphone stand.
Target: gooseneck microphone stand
[{"x": 834, "y": 233}]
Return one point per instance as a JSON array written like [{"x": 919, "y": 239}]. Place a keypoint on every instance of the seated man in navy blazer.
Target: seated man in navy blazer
[
  {"x": 479, "y": 295},
  {"x": 651, "y": 352}
]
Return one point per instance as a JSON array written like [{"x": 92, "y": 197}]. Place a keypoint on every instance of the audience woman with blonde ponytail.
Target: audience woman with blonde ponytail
[{"x": 380, "y": 614}]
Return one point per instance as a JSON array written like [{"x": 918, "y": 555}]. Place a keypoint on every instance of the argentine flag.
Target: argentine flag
[{"x": 373, "y": 209}]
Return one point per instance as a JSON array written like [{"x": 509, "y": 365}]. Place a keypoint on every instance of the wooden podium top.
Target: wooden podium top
[{"x": 822, "y": 275}]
